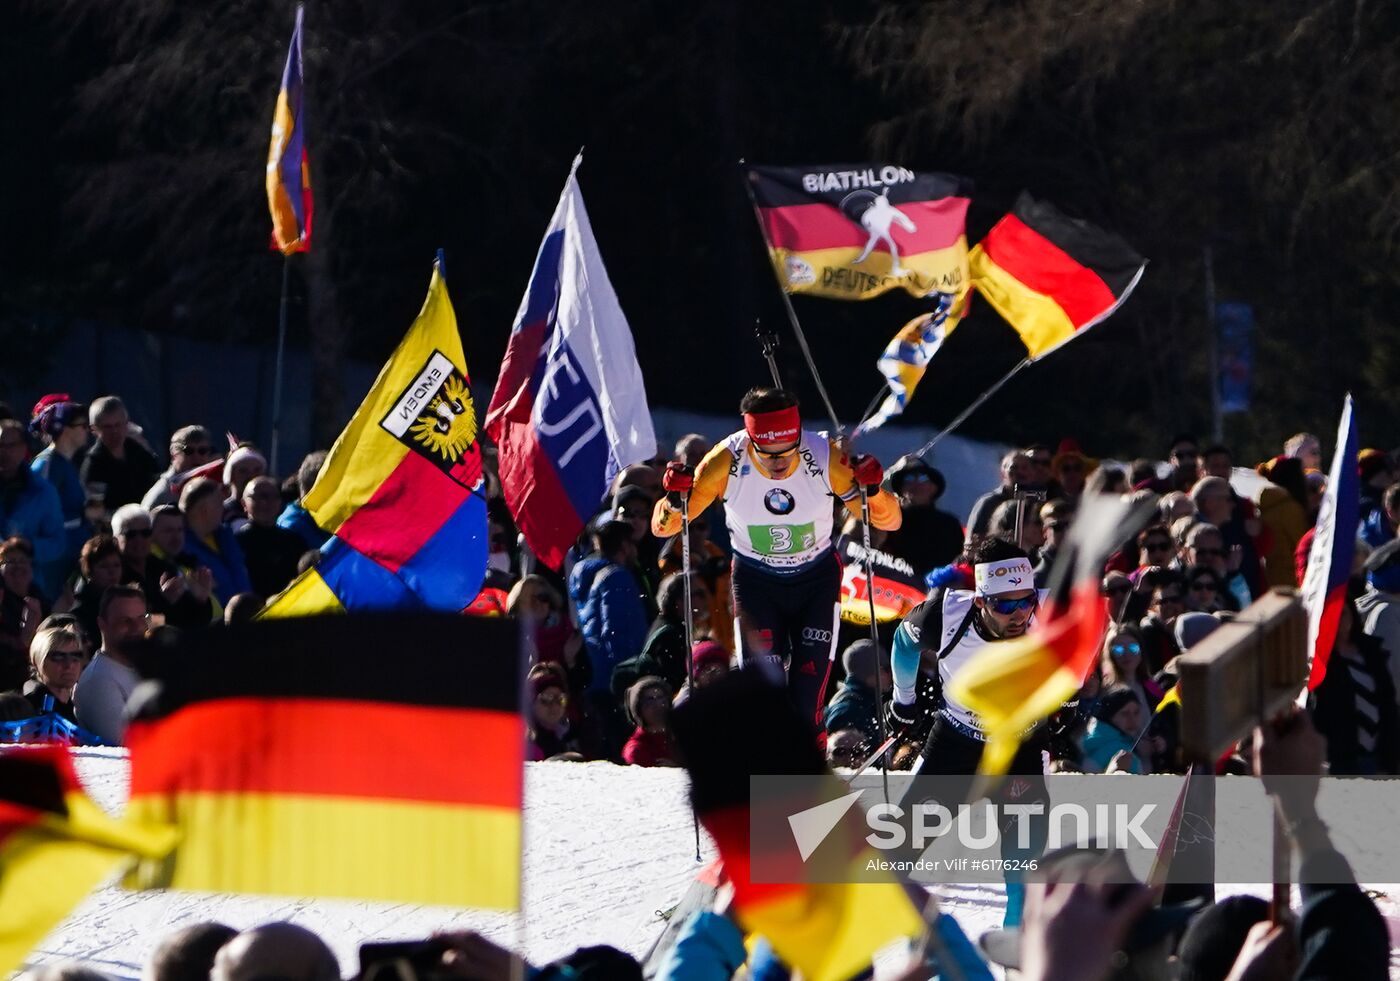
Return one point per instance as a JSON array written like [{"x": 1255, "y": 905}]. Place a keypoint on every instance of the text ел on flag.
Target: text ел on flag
[
  {"x": 1051, "y": 276},
  {"x": 288, "y": 167},
  {"x": 907, "y": 356},
  {"x": 570, "y": 408},
  {"x": 298, "y": 757},
  {"x": 56, "y": 846},
  {"x": 828, "y": 930},
  {"x": 1333, "y": 548},
  {"x": 1013, "y": 685},
  {"x": 853, "y": 231},
  {"x": 401, "y": 491}
]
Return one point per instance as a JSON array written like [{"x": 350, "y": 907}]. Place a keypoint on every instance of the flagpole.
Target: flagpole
[
  {"x": 791, "y": 313},
  {"x": 277, "y": 365},
  {"x": 976, "y": 404}
]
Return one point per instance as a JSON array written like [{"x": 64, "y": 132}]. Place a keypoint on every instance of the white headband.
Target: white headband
[{"x": 1005, "y": 576}]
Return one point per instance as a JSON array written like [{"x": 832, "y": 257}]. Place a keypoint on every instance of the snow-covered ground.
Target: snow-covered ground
[{"x": 608, "y": 849}]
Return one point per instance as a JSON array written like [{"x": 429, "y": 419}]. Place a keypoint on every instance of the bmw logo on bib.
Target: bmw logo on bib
[{"x": 779, "y": 501}]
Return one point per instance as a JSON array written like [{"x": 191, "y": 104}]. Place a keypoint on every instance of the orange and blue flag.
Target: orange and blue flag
[
  {"x": 288, "y": 169},
  {"x": 1333, "y": 548},
  {"x": 401, "y": 491}
]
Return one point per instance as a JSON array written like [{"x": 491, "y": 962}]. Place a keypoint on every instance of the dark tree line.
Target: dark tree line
[{"x": 1266, "y": 131}]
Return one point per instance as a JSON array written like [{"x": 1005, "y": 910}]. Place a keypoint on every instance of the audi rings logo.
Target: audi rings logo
[
  {"x": 779, "y": 501},
  {"x": 816, "y": 636}
]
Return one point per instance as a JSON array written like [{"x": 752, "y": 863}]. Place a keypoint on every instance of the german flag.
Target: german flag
[
  {"x": 1014, "y": 685},
  {"x": 56, "y": 846},
  {"x": 373, "y": 756},
  {"x": 853, "y": 231},
  {"x": 829, "y": 930},
  {"x": 1052, "y": 277}
]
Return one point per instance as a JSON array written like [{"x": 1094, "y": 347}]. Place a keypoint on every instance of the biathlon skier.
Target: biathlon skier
[
  {"x": 777, "y": 480},
  {"x": 947, "y": 630}
]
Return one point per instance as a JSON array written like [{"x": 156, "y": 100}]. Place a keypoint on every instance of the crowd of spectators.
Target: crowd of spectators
[{"x": 104, "y": 538}]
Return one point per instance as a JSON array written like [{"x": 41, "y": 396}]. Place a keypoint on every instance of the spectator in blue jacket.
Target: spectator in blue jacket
[
  {"x": 62, "y": 425},
  {"x": 29, "y": 505},
  {"x": 210, "y": 542},
  {"x": 296, "y": 518},
  {"x": 613, "y": 620},
  {"x": 612, "y": 616}
]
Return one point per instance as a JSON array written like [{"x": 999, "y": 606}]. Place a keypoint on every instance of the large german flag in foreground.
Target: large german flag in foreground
[
  {"x": 56, "y": 846},
  {"x": 373, "y": 756},
  {"x": 830, "y": 929},
  {"x": 1016, "y": 684},
  {"x": 853, "y": 231},
  {"x": 1052, "y": 277}
]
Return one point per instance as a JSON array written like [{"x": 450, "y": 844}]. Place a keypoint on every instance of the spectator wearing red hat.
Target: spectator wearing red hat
[
  {"x": 711, "y": 661},
  {"x": 62, "y": 425}
]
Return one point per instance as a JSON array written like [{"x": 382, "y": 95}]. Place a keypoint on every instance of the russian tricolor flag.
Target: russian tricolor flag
[
  {"x": 570, "y": 409},
  {"x": 1333, "y": 549}
]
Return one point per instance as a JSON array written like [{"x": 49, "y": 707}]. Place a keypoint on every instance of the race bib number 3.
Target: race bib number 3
[{"x": 783, "y": 539}]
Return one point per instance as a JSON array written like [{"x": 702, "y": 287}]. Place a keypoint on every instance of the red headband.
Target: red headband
[{"x": 779, "y": 426}]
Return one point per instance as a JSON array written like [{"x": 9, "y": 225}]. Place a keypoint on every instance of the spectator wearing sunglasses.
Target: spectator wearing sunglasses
[
  {"x": 948, "y": 630},
  {"x": 1123, "y": 665},
  {"x": 550, "y": 733},
  {"x": 1116, "y": 589},
  {"x": 1205, "y": 546},
  {"x": 777, "y": 481},
  {"x": 1205, "y": 590},
  {"x": 56, "y": 655},
  {"x": 927, "y": 536},
  {"x": 1156, "y": 549},
  {"x": 1055, "y": 518},
  {"x": 1215, "y": 505},
  {"x": 183, "y": 601},
  {"x": 190, "y": 447},
  {"x": 1166, "y": 592},
  {"x": 1184, "y": 455}
]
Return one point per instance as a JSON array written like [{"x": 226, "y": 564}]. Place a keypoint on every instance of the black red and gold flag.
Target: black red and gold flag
[
  {"x": 1016, "y": 684},
  {"x": 1051, "y": 276},
  {"x": 373, "y": 756},
  {"x": 830, "y": 929},
  {"x": 56, "y": 846},
  {"x": 853, "y": 231}
]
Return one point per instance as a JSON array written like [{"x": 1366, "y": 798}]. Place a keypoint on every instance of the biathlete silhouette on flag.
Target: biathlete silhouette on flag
[
  {"x": 877, "y": 220},
  {"x": 777, "y": 480}
]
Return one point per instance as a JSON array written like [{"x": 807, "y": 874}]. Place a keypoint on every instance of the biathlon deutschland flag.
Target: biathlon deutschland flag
[{"x": 853, "y": 231}]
